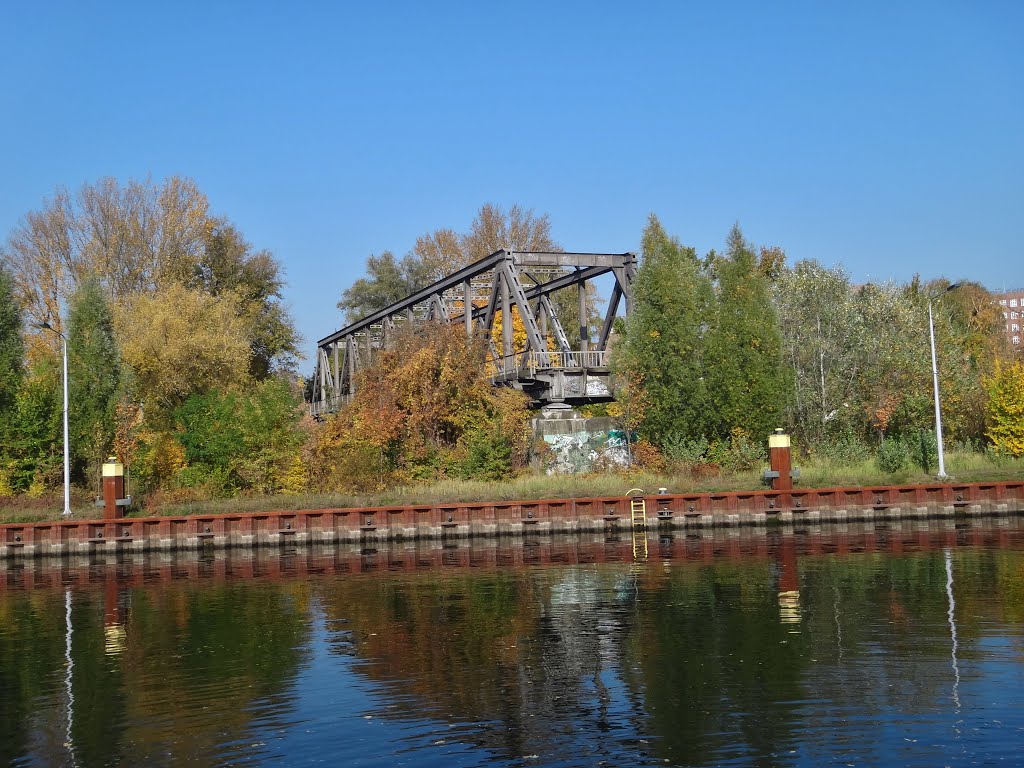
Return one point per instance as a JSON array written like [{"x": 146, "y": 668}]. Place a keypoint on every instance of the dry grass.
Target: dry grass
[{"x": 962, "y": 467}]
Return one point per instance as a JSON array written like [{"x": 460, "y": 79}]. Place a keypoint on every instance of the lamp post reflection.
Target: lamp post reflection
[
  {"x": 952, "y": 628},
  {"x": 69, "y": 666}
]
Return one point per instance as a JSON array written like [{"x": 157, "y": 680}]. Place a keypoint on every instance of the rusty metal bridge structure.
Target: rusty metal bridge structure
[{"x": 506, "y": 284}]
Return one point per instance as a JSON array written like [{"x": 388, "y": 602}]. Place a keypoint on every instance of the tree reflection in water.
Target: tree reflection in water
[{"x": 760, "y": 649}]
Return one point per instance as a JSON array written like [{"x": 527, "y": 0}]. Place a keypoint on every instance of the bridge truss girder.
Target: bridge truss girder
[{"x": 475, "y": 296}]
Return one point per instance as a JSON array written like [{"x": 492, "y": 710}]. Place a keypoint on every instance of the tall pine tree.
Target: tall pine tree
[
  {"x": 12, "y": 353},
  {"x": 747, "y": 385},
  {"x": 94, "y": 376},
  {"x": 662, "y": 351},
  {"x": 12, "y": 350}
]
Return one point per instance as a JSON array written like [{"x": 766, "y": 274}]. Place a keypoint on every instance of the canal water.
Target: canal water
[{"x": 880, "y": 645}]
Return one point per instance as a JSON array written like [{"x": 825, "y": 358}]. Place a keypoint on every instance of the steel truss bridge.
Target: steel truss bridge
[{"x": 550, "y": 370}]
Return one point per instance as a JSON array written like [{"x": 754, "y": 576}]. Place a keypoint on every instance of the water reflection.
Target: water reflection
[
  {"x": 69, "y": 665},
  {"x": 797, "y": 647},
  {"x": 952, "y": 627}
]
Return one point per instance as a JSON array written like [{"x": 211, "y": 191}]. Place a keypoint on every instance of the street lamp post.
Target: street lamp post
[
  {"x": 935, "y": 377},
  {"x": 67, "y": 463}
]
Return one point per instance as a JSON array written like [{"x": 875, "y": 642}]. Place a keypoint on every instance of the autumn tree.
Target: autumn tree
[
  {"x": 1004, "y": 411},
  {"x": 663, "y": 349},
  {"x": 442, "y": 252},
  {"x": 517, "y": 229},
  {"x": 196, "y": 308},
  {"x": 94, "y": 375},
  {"x": 178, "y": 342},
  {"x": 970, "y": 339},
  {"x": 228, "y": 266},
  {"x": 140, "y": 237},
  {"x": 425, "y": 408},
  {"x": 132, "y": 237}
]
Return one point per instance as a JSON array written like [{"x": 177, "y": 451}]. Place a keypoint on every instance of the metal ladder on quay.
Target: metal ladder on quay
[{"x": 638, "y": 522}]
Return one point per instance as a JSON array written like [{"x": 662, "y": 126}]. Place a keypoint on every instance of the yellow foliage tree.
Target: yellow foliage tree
[
  {"x": 1004, "y": 413},
  {"x": 179, "y": 342}
]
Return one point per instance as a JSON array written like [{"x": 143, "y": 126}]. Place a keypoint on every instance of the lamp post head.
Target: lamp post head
[
  {"x": 947, "y": 289},
  {"x": 45, "y": 326}
]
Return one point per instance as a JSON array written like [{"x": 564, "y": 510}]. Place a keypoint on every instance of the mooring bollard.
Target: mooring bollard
[
  {"x": 781, "y": 474},
  {"x": 113, "y": 489}
]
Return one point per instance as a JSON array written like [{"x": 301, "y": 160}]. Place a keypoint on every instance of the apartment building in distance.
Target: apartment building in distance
[{"x": 1012, "y": 305}]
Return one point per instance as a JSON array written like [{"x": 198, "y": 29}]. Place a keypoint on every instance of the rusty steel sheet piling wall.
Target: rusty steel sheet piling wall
[{"x": 509, "y": 518}]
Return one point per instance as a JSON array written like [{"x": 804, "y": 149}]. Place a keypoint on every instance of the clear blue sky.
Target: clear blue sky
[{"x": 888, "y": 137}]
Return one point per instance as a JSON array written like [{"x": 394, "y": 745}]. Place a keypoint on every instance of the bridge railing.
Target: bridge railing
[
  {"x": 501, "y": 368},
  {"x": 511, "y": 366},
  {"x": 570, "y": 360},
  {"x": 320, "y": 408}
]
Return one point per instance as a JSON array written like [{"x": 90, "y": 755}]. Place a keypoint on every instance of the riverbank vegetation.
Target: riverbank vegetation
[
  {"x": 738, "y": 343},
  {"x": 182, "y": 354}
]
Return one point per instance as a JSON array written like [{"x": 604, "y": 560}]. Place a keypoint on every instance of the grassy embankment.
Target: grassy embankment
[{"x": 961, "y": 467}]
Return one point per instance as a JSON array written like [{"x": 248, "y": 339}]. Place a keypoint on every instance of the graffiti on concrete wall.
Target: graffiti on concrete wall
[{"x": 575, "y": 444}]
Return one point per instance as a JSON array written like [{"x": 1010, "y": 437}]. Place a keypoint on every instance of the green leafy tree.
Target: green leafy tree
[
  {"x": 35, "y": 440},
  {"x": 746, "y": 383},
  {"x": 240, "y": 440},
  {"x": 893, "y": 373},
  {"x": 387, "y": 280},
  {"x": 227, "y": 265},
  {"x": 94, "y": 375},
  {"x": 822, "y": 337},
  {"x": 662, "y": 352}
]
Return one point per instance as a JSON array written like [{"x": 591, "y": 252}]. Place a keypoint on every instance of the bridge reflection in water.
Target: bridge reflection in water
[{"x": 805, "y": 645}]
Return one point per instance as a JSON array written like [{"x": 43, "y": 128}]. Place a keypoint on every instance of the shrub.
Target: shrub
[
  {"x": 893, "y": 456},
  {"x": 206, "y": 482},
  {"x": 740, "y": 454},
  {"x": 646, "y": 456},
  {"x": 685, "y": 451},
  {"x": 488, "y": 456},
  {"x": 925, "y": 450},
  {"x": 844, "y": 448}
]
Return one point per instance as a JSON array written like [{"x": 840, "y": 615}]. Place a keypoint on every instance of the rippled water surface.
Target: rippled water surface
[{"x": 891, "y": 645}]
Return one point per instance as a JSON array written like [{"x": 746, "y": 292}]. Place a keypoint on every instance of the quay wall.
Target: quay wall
[{"x": 370, "y": 525}]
